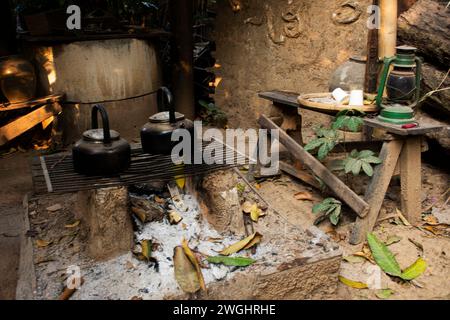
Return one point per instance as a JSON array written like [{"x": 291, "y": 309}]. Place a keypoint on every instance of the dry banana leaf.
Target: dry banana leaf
[
  {"x": 352, "y": 284},
  {"x": 243, "y": 244},
  {"x": 231, "y": 261},
  {"x": 185, "y": 272},
  {"x": 193, "y": 259}
]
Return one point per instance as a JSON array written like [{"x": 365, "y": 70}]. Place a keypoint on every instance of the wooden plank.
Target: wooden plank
[
  {"x": 26, "y": 122},
  {"x": 423, "y": 128},
  {"x": 301, "y": 175},
  {"x": 285, "y": 98},
  {"x": 376, "y": 191},
  {"x": 411, "y": 182},
  {"x": 31, "y": 103},
  {"x": 334, "y": 183}
]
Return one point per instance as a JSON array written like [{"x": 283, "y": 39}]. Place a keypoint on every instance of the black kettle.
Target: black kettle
[
  {"x": 101, "y": 151},
  {"x": 156, "y": 135}
]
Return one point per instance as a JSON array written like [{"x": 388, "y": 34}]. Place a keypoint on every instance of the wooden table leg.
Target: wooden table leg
[
  {"x": 376, "y": 191},
  {"x": 410, "y": 176}
]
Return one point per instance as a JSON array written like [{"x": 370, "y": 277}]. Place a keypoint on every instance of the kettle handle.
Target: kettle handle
[
  {"x": 105, "y": 121},
  {"x": 165, "y": 98}
]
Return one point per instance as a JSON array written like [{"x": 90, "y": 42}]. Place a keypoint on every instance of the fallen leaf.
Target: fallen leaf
[
  {"x": 130, "y": 265},
  {"x": 174, "y": 217},
  {"x": 257, "y": 186},
  {"x": 146, "y": 246},
  {"x": 431, "y": 220},
  {"x": 185, "y": 272},
  {"x": 231, "y": 261},
  {"x": 159, "y": 200},
  {"x": 433, "y": 230},
  {"x": 67, "y": 293},
  {"x": 255, "y": 213},
  {"x": 402, "y": 217},
  {"x": 136, "y": 298},
  {"x": 242, "y": 244},
  {"x": 54, "y": 207},
  {"x": 414, "y": 270},
  {"x": 246, "y": 207},
  {"x": 73, "y": 225},
  {"x": 352, "y": 284},
  {"x": 303, "y": 195},
  {"x": 140, "y": 214},
  {"x": 195, "y": 263},
  {"x": 392, "y": 239},
  {"x": 354, "y": 259},
  {"x": 43, "y": 243},
  {"x": 383, "y": 256},
  {"x": 384, "y": 293}
]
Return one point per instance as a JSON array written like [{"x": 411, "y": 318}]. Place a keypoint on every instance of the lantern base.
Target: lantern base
[{"x": 397, "y": 115}]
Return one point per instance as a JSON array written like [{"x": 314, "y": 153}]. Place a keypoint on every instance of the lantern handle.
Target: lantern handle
[{"x": 384, "y": 75}]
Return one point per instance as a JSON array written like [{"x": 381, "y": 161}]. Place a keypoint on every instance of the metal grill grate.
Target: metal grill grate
[{"x": 55, "y": 173}]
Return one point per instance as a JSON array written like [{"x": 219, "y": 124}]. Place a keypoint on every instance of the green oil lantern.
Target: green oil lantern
[{"x": 402, "y": 85}]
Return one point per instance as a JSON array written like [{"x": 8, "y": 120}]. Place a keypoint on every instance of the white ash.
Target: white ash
[{"x": 125, "y": 276}]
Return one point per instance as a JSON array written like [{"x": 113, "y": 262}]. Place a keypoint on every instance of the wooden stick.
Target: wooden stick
[
  {"x": 371, "y": 75},
  {"x": 376, "y": 191},
  {"x": 334, "y": 183}
]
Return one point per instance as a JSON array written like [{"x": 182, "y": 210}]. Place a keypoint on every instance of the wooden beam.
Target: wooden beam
[
  {"x": 376, "y": 191},
  {"x": 26, "y": 122},
  {"x": 334, "y": 183},
  {"x": 299, "y": 174},
  {"x": 411, "y": 182}
]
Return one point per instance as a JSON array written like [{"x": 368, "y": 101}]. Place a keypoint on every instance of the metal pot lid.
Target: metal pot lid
[
  {"x": 163, "y": 117},
  {"x": 97, "y": 135}
]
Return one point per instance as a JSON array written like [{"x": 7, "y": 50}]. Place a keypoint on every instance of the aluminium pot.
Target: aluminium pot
[
  {"x": 101, "y": 152},
  {"x": 156, "y": 135}
]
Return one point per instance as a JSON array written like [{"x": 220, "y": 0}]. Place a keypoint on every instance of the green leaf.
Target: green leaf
[
  {"x": 349, "y": 165},
  {"x": 313, "y": 144},
  {"x": 354, "y": 153},
  {"x": 335, "y": 216},
  {"x": 384, "y": 293},
  {"x": 353, "y": 124},
  {"x": 365, "y": 153},
  {"x": 414, "y": 270},
  {"x": 323, "y": 151},
  {"x": 372, "y": 159},
  {"x": 383, "y": 256},
  {"x": 320, "y": 207},
  {"x": 231, "y": 261},
  {"x": 356, "y": 168},
  {"x": 367, "y": 168},
  {"x": 339, "y": 123}
]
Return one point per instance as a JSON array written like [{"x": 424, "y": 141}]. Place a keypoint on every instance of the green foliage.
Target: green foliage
[
  {"x": 212, "y": 115},
  {"x": 325, "y": 142},
  {"x": 348, "y": 120},
  {"x": 331, "y": 208},
  {"x": 360, "y": 160}
]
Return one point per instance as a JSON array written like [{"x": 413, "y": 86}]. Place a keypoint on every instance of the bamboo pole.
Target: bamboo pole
[{"x": 388, "y": 28}]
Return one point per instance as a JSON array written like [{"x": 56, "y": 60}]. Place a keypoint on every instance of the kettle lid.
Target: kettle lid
[
  {"x": 164, "y": 117},
  {"x": 97, "y": 135}
]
